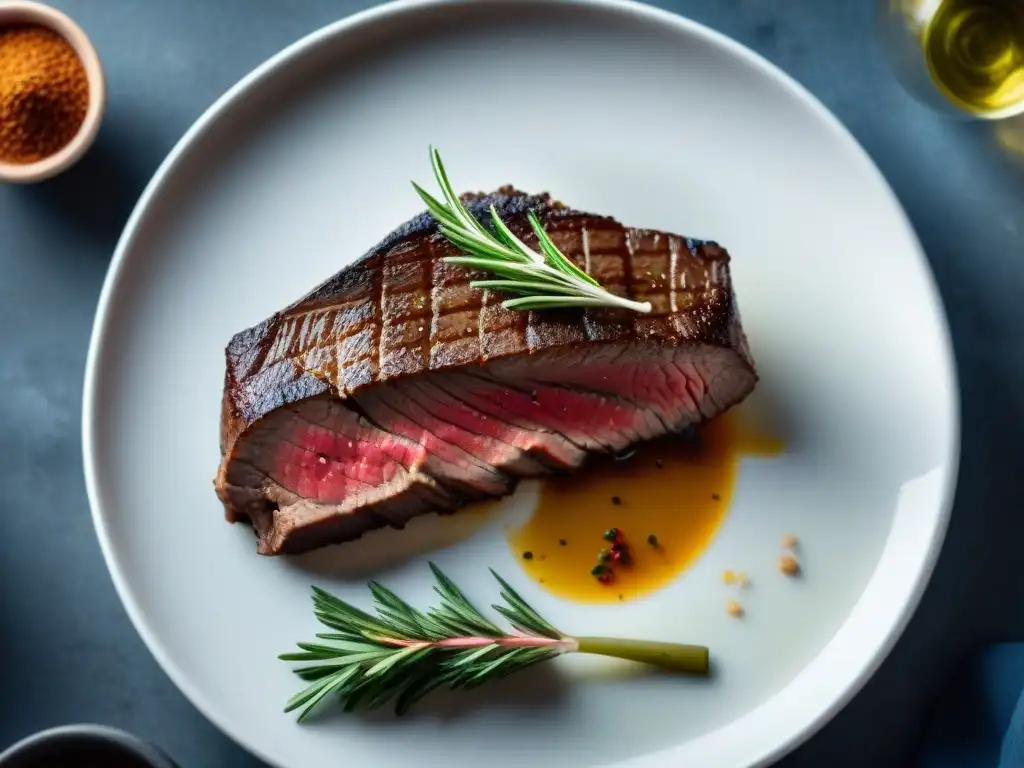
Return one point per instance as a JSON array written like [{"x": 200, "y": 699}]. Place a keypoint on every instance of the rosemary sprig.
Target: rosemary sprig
[
  {"x": 542, "y": 280},
  {"x": 401, "y": 654}
]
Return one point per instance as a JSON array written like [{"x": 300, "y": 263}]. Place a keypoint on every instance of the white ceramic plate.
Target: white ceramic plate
[{"x": 615, "y": 108}]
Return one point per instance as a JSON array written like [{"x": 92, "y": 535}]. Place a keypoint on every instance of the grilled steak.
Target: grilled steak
[{"x": 394, "y": 389}]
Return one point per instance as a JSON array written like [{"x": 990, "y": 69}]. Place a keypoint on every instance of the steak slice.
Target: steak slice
[{"x": 393, "y": 389}]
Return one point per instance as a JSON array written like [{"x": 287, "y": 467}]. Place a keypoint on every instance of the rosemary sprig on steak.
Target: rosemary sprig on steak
[
  {"x": 401, "y": 654},
  {"x": 545, "y": 280}
]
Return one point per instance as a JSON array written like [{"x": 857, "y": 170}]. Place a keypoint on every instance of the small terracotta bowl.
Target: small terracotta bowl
[{"x": 25, "y": 12}]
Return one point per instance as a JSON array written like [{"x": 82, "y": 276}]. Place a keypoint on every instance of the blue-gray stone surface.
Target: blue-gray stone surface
[{"x": 67, "y": 650}]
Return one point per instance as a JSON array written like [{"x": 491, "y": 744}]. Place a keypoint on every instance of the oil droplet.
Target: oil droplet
[{"x": 668, "y": 499}]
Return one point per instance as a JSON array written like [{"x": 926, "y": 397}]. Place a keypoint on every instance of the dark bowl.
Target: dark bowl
[{"x": 79, "y": 746}]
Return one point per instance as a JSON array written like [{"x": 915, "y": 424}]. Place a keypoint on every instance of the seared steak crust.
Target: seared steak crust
[{"x": 394, "y": 389}]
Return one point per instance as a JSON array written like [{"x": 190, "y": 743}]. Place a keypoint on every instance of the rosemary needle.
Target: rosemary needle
[
  {"x": 401, "y": 654},
  {"x": 547, "y": 279}
]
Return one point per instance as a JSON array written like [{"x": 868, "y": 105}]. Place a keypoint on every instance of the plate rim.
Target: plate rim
[{"x": 390, "y": 12}]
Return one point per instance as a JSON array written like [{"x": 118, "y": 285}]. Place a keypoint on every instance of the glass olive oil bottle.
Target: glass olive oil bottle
[{"x": 975, "y": 53}]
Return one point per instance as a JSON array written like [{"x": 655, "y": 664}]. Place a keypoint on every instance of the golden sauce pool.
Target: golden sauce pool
[{"x": 667, "y": 501}]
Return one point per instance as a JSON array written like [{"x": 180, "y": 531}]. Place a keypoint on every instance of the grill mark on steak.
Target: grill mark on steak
[{"x": 398, "y": 354}]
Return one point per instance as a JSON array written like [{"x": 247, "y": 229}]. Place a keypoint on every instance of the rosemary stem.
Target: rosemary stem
[
  {"x": 505, "y": 641},
  {"x": 600, "y": 293},
  {"x": 680, "y": 658},
  {"x": 642, "y": 307}
]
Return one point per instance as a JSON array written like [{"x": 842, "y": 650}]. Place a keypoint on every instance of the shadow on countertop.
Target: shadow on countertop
[{"x": 94, "y": 198}]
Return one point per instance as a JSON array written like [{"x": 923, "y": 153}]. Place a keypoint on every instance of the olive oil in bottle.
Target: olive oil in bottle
[{"x": 975, "y": 53}]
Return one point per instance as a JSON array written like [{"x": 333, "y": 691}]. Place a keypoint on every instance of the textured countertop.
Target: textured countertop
[{"x": 67, "y": 650}]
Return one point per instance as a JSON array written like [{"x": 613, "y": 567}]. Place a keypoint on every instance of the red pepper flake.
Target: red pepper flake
[
  {"x": 652, "y": 540},
  {"x": 620, "y": 554},
  {"x": 527, "y": 555}
]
